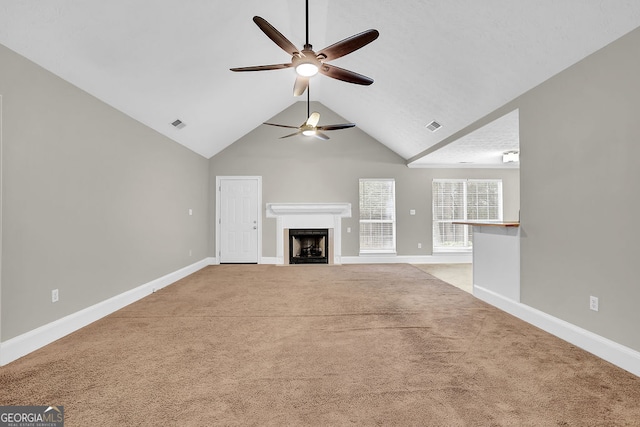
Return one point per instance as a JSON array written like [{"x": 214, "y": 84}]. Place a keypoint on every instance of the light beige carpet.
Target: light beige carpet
[{"x": 260, "y": 345}]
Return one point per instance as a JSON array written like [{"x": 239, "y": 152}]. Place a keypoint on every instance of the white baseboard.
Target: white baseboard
[
  {"x": 617, "y": 354},
  {"x": 24, "y": 344},
  {"x": 392, "y": 259},
  {"x": 409, "y": 259}
]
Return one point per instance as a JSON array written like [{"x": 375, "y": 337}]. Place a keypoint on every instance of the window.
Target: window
[
  {"x": 377, "y": 216},
  {"x": 459, "y": 200}
]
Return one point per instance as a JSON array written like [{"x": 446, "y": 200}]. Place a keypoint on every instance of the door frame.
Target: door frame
[{"x": 217, "y": 218}]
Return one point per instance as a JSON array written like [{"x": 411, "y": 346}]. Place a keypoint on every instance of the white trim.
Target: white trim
[
  {"x": 383, "y": 259},
  {"x": 217, "y": 218},
  {"x": 617, "y": 354},
  {"x": 28, "y": 342},
  {"x": 513, "y": 165},
  {"x": 378, "y": 252},
  {"x": 275, "y": 210},
  {"x": 409, "y": 259},
  {"x": 391, "y": 259}
]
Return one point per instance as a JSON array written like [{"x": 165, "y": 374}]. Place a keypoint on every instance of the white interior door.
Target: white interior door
[{"x": 239, "y": 224}]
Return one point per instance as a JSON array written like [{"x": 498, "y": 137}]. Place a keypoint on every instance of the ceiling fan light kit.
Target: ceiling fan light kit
[{"x": 307, "y": 69}]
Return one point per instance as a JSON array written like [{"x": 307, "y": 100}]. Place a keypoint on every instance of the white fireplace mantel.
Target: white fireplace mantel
[
  {"x": 278, "y": 209},
  {"x": 309, "y": 215}
]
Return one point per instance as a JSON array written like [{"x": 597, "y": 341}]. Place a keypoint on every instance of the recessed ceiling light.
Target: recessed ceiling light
[
  {"x": 178, "y": 124},
  {"x": 434, "y": 126}
]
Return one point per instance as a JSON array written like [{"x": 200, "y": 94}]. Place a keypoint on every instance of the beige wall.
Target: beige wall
[
  {"x": 580, "y": 144},
  {"x": 309, "y": 170},
  {"x": 94, "y": 203}
]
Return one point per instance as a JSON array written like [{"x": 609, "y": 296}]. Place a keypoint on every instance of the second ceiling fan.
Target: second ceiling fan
[
  {"x": 307, "y": 62},
  {"x": 310, "y": 126}
]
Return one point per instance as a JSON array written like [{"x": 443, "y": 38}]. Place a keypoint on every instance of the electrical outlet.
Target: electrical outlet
[
  {"x": 190, "y": 211},
  {"x": 54, "y": 295},
  {"x": 190, "y": 252},
  {"x": 348, "y": 229},
  {"x": 419, "y": 245},
  {"x": 593, "y": 303}
]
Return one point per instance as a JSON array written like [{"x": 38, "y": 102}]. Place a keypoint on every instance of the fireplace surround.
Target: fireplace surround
[{"x": 309, "y": 216}]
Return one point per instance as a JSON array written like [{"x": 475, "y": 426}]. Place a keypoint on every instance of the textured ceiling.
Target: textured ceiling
[
  {"x": 453, "y": 61},
  {"x": 482, "y": 148}
]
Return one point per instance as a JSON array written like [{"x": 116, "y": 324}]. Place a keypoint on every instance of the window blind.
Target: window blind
[
  {"x": 377, "y": 215},
  {"x": 459, "y": 200}
]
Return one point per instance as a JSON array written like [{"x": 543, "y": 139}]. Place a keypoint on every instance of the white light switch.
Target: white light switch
[
  {"x": 348, "y": 229},
  {"x": 190, "y": 211},
  {"x": 412, "y": 212}
]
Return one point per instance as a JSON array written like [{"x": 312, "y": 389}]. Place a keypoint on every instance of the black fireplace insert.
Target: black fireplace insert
[{"x": 309, "y": 246}]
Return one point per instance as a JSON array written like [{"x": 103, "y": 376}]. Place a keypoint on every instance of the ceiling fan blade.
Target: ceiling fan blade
[
  {"x": 276, "y": 36},
  {"x": 263, "y": 67},
  {"x": 321, "y": 136},
  {"x": 336, "y": 127},
  {"x": 313, "y": 119},
  {"x": 293, "y": 134},
  {"x": 282, "y": 126},
  {"x": 345, "y": 75},
  {"x": 300, "y": 86},
  {"x": 348, "y": 45}
]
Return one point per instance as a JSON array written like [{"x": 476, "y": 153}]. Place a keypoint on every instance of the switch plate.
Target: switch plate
[
  {"x": 348, "y": 229},
  {"x": 593, "y": 303},
  {"x": 412, "y": 212},
  {"x": 190, "y": 211},
  {"x": 54, "y": 295},
  {"x": 419, "y": 245}
]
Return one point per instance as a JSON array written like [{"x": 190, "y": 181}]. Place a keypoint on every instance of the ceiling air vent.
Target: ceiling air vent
[
  {"x": 434, "y": 126},
  {"x": 178, "y": 124}
]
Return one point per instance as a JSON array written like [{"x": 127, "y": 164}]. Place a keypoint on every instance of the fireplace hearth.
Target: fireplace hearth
[{"x": 309, "y": 246}]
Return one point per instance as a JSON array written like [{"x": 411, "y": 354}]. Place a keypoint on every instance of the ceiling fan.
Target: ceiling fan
[
  {"x": 310, "y": 126},
  {"x": 307, "y": 62}
]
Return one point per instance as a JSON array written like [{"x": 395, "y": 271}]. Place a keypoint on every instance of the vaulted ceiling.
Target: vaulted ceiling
[{"x": 452, "y": 61}]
